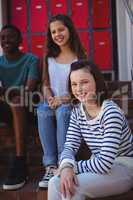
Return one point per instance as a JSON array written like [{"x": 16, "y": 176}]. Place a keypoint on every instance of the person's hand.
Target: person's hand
[
  {"x": 50, "y": 101},
  {"x": 68, "y": 182},
  {"x": 57, "y": 101},
  {"x": 54, "y": 102}
]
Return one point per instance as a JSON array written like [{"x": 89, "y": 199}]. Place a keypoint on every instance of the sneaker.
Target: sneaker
[
  {"x": 50, "y": 170},
  {"x": 17, "y": 174}
]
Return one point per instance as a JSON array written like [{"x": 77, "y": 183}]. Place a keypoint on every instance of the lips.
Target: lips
[{"x": 59, "y": 39}]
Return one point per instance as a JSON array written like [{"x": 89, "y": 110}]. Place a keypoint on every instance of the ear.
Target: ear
[{"x": 20, "y": 40}]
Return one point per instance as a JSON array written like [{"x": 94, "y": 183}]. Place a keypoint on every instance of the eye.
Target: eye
[
  {"x": 85, "y": 82},
  {"x": 61, "y": 29},
  {"x": 53, "y": 32},
  {"x": 73, "y": 84}
]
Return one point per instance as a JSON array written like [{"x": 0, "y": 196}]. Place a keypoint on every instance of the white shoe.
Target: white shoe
[{"x": 47, "y": 176}]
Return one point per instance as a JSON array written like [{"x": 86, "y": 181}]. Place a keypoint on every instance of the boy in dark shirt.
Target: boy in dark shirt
[{"x": 18, "y": 71}]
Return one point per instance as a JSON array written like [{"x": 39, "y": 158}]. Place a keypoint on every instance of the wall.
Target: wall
[
  {"x": 94, "y": 25},
  {"x": 125, "y": 36}
]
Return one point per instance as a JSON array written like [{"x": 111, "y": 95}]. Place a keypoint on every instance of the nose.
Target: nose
[
  {"x": 57, "y": 32},
  {"x": 79, "y": 87},
  {"x": 5, "y": 39}
]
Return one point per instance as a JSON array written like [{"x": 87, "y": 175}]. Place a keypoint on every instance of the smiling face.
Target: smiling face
[
  {"x": 83, "y": 85},
  {"x": 9, "y": 40},
  {"x": 59, "y": 33}
]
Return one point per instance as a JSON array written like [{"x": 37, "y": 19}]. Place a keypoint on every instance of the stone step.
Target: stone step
[
  {"x": 29, "y": 191},
  {"x": 32, "y": 192},
  {"x": 42, "y": 195},
  {"x": 114, "y": 85},
  {"x": 36, "y": 194},
  {"x": 119, "y": 88},
  {"x": 126, "y": 104}
]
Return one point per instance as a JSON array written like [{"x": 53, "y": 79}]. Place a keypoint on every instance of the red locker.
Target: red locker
[
  {"x": 103, "y": 49},
  {"x": 58, "y": 6},
  {"x": 23, "y": 47},
  {"x": 101, "y": 13},
  {"x": 37, "y": 45},
  {"x": 19, "y": 14},
  {"x": 84, "y": 36},
  {"x": 39, "y": 19},
  {"x": 79, "y": 9}
]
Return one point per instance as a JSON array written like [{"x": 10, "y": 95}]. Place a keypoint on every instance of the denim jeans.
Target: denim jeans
[{"x": 52, "y": 126}]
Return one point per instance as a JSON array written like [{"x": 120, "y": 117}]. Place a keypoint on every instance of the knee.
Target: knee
[
  {"x": 63, "y": 110},
  {"x": 53, "y": 184},
  {"x": 42, "y": 107}
]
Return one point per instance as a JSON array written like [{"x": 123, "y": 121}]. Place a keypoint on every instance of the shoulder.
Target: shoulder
[
  {"x": 111, "y": 105},
  {"x": 30, "y": 56},
  {"x": 111, "y": 109},
  {"x": 51, "y": 60}
]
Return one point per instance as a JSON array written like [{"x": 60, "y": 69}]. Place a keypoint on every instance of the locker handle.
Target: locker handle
[
  {"x": 39, "y": 46},
  {"x": 101, "y": 43},
  {"x": 79, "y": 3},
  {"x": 100, "y": 2},
  {"x": 38, "y": 7},
  {"x": 19, "y": 8},
  {"x": 21, "y": 47},
  {"x": 59, "y": 5}
]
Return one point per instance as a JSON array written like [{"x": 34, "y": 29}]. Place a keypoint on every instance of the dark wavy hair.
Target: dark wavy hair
[
  {"x": 53, "y": 50},
  {"x": 14, "y": 28},
  {"x": 101, "y": 88}
]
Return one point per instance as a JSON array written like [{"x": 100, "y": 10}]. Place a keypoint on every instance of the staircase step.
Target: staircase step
[
  {"x": 29, "y": 191},
  {"x": 119, "y": 88},
  {"x": 114, "y": 85}
]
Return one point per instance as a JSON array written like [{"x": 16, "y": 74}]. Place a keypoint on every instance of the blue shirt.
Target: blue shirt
[{"x": 17, "y": 72}]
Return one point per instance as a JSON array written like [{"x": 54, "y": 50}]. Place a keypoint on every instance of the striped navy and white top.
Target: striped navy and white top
[{"x": 108, "y": 136}]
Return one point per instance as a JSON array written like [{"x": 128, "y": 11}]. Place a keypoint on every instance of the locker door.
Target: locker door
[
  {"x": 58, "y": 6},
  {"x": 101, "y": 13},
  {"x": 84, "y": 36},
  {"x": 79, "y": 9},
  {"x": 37, "y": 44},
  {"x": 19, "y": 14},
  {"x": 103, "y": 49},
  {"x": 23, "y": 47},
  {"x": 38, "y": 16}
]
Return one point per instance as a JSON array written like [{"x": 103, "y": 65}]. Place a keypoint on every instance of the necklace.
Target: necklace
[{"x": 88, "y": 116}]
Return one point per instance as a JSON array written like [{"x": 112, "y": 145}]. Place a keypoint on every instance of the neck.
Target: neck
[
  {"x": 65, "y": 49},
  {"x": 13, "y": 55},
  {"x": 92, "y": 109},
  {"x": 66, "y": 55}
]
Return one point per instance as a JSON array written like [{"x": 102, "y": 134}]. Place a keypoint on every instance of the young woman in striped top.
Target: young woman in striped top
[{"x": 104, "y": 128}]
